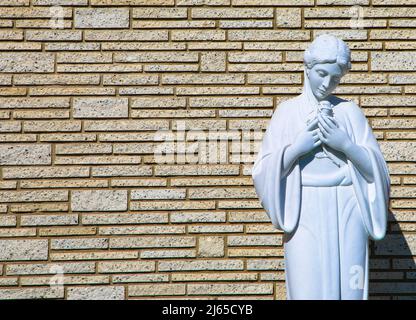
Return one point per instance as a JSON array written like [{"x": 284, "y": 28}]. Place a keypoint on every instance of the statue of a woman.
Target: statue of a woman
[{"x": 322, "y": 179}]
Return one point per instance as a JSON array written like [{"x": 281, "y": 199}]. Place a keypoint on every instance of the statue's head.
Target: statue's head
[{"x": 326, "y": 60}]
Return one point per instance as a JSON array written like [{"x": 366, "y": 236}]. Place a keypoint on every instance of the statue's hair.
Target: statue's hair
[{"x": 328, "y": 49}]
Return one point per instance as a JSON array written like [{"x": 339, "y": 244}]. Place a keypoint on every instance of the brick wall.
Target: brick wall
[{"x": 85, "y": 87}]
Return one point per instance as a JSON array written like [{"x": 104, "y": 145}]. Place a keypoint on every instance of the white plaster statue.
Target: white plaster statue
[{"x": 322, "y": 179}]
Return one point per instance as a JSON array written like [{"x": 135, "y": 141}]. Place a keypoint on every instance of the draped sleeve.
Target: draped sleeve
[
  {"x": 373, "y": 198},
  {"x": 280, "y": 196}
]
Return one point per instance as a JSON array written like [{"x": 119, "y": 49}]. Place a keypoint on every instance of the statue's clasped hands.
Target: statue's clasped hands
[
  {"x": 322, "y": 129},
  {"x": 332, "y": 134}
]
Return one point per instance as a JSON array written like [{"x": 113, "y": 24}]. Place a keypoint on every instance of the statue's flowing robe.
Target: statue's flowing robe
[{"x": 327, "y": 211}]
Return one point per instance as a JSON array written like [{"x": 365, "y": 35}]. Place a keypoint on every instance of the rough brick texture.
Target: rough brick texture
[{"x": 87, "y": 98}]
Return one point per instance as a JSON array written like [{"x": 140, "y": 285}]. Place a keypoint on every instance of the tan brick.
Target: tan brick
[
  {"x": 392, "y": 34},
  {"x": 132, "y": 2},
  {"x": 265, "y": 264},
  {"x": 80, "y": 243},
  {"x": 393, "y": 61},
  {"x": 388, "y": 100},
  {"x": 32, "y": 293},
  {"x": 229, "y": 289},
  {"x": 133, "y": 79},
  {"x": 126, "y": 266},
  {"x": 269, "y": 35},
  {"x": 144, "y": 90},
  {"x": 216, "y": 229},
  {"x": 394, "y": 123},
  {"x": 11, "y": 35},
  {"x": 96, "y": 68},
  {"x": 398, "y": 151},
  {"x": 140, "y": 278},
  {"x": 228, "y": 276},
  {"x": 45, "y": 172},
  {"x": 196, "y": 170},
  {"x": 40, "y": 24},
  {"x": 122, "y": 171},
  {"x": 255, "y": 56},
  {"x": 10, "y": 126},
  {"x": 83, "y": 57},
  {"x": 83, "y": 148},
  {"x": 70, "y": 91},
  {"x": 158, "y": 102},
  {"x": 53, "y": 35},
  {"x": 96, "y": 293},
  {"x": 142, "y": 230},
  {"x": 196, "y": 265},
  {"x": 226, "y": 102},
  {"x": 344, "y": 12},
  {"x": 268, "y": 3},
  {"x": 103, "y": 255},
  {"x": 262, "y": 240},
  {"x": 67, "y": 46},
  {"x": 55, "y": 79},
  {"x": 99, "y": 200},
  {"x": 153, "y": 242},
  {"x": 31, "y": 13},
  {"x": 156, "y": 290},
  {"x": 161, "y": 254},
  {"x": 172, "y": 205},
  {"x": 33, "y": 207},
  {"x": 203, "y": 79},
  {"x": 7, "y": 221},
  {"x": 190, "y": 217},
  {"x": 155, "y": 57},
  {"x": 210, "y": 246},
  {"x": 160, "y": 13},
  {"x": 128, "y": 218},
  {"x": 245, "y": 24},
  {"x": 146, "y": 113},
  {"x": 213, "y": 61},
  {"x": 19, "y": 250},
  {"x": 33, "y": 103},
  {"x": 75, "y": 231},
  {"x": 25, "y": 154},
  {"x": 100, "y": 108},
  {"x": 67, "y": 280},
  {"x": 16, "y": 233},
  {"x": 233, "y": 253},
  {"x": 172, "y": 24},
  {"x": 126, "y": 35},
  {"x": 13, "y": 92},
  {"x": 14, "y": 3},
  {"x": 224, "y": 13},
  {"x": 47, "y": 220},
  {"x": 198, "y": 35},
  {"x": 67, "y": 137},
  {"x": 60, "y": 2},
  {"x": 144, "y": 194},
  {"x": 101, "y": 18},
  {"x": 126, "y": 125},
  {"x": 227, "y": 193},
  {"x": 288, "y": 18},
  {"x": 49, "y": 268},
  {"x": 51, "y": 126},
  {"x": 26, "y": 62}
]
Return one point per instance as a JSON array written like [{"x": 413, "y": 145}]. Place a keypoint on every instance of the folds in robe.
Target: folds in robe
[
  {"x": 373, "y": 198},
  {"x": 281, "y": 196}
]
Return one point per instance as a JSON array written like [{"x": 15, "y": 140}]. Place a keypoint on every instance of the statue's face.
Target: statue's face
[{"x": 323, "y": 79}]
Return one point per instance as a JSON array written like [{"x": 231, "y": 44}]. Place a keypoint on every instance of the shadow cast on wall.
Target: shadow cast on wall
[{"x": 392, "y": 265}]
